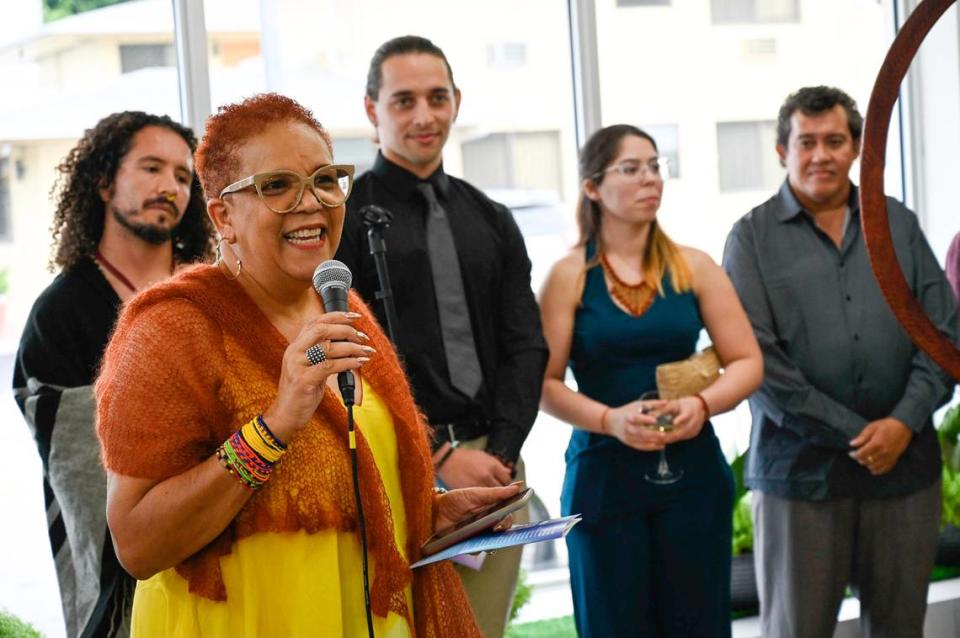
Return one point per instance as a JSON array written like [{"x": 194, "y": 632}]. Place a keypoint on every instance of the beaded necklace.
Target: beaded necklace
[{"x": 635, "y": 298}]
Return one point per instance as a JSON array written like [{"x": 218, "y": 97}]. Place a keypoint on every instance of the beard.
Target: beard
[{"x": 150, "y": 233}]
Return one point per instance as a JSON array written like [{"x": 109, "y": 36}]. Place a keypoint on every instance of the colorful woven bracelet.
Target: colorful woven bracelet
[
  {"x": 227, "y": 454},
  {"x": 251, "y": 453},
  {"x": 256, "y": 465},
  {"x": 227, "y": 464},
  {"x": 268, "y": 436},
  {"x": 261, "y": 442},
  {"x": 236, "y": 465}
]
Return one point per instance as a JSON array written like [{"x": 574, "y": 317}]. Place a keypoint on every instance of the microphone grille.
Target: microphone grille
[{"x": 331, "y": 273}]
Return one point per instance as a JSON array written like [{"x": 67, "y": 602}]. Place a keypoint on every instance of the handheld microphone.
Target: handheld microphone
[{"x": 332, "y": 280}]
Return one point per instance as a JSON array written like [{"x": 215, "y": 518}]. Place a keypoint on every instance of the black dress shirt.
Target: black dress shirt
[
  {"x": 835, "y": 357},
  {"x": 496, "y": 279}
]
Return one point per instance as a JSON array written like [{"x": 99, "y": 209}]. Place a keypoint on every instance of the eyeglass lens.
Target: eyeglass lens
[
  {"x": 656, "y": 167},
  {"x": 282, "y": 191}
]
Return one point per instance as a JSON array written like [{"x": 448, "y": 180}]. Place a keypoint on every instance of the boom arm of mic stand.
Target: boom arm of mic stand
[{"x": 376, "y": 219}]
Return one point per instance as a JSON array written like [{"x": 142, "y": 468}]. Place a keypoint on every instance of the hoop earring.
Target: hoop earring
[{"x": 222, "y": 265}]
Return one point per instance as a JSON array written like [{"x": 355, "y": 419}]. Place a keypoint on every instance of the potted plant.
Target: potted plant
[
  {"x": 948, "y": 547},
  {"x": 743, "y": 579}
]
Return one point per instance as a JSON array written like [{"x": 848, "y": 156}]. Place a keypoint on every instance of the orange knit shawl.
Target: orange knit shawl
[{"x": 193, "y": 359}]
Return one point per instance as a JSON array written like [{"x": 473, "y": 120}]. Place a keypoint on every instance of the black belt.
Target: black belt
[{"x": 460, "y": 430}]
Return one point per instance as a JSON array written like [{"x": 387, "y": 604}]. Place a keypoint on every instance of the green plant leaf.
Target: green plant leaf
[
  {"x": 949, "y": 429},
  {"x": 742, "y": 526},
  {"x": 13, "y": 627},
  {"x": 738, "y": 465}
]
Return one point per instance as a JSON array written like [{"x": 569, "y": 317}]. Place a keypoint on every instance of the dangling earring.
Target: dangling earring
[{"x": 222, "y": 265}]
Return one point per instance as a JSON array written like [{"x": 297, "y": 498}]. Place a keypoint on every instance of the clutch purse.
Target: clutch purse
[{"x": 690, "y": 376}]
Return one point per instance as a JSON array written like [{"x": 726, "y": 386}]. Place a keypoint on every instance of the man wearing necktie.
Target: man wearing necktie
[{"x": 469, "y": 329}]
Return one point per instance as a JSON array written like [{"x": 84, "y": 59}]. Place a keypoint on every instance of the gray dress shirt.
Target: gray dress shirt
[{"x": 835, "y": 357}]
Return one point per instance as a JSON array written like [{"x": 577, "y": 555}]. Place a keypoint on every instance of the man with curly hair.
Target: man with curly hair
[{"x": 129, "y": 211}]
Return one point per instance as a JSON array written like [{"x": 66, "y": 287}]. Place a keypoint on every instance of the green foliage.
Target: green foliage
[
  {"x": 553, "y": 628},
  {"x": 941, "y": 572},
  {"x": 522, "y": 596},
  {"x": 742, "y": 516},
  {"x": 56, "y": 9},
  {"x": 4, "y": 281},
  {"x": 13, "y": 627},
  {"x": 950, "y": 514},
  {"x": 948, "y": 433},
  {"x": 739, "y": 487},
  {"x": 742, "y": 526}
]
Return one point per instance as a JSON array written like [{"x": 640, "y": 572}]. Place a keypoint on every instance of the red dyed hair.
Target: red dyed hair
[{"x": 216, "y": 158}]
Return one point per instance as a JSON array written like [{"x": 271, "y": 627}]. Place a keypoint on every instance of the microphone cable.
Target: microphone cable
[{"x": 361, "y": 522}]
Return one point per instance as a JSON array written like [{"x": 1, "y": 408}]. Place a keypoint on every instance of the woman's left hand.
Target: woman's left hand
[
  {"x": 689, "y": 417},
  {"x": 456, "y": 505}
]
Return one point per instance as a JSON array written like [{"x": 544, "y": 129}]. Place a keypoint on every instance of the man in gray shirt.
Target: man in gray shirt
[{"x": 844, "y": 460}]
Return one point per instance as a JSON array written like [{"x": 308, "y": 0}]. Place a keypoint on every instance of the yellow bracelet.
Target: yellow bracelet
[{"x": 256, "y": 440}]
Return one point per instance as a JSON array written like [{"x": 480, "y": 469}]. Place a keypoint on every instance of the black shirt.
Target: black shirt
[
  {"x": 496, "y": 278},
  {"x": 835, "y": 356}
]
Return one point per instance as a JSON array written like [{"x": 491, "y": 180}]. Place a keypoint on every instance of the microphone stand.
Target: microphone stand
[{"x": 376, "y": 219}]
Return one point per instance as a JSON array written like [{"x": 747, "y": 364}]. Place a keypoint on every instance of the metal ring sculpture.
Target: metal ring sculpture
[{"x": 873, "y": 205}]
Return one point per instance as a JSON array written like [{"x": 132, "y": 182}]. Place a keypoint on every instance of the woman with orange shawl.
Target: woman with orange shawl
[{"x": 225, "y": 440}]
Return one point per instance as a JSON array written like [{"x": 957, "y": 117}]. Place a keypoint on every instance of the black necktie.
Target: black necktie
[{"x": 462, "y": 363}]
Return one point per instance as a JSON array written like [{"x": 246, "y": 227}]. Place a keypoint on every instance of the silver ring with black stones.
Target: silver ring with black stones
[{"x": 315, "y": 354}]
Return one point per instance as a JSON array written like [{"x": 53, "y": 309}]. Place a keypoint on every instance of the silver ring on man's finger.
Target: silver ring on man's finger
[{"x": 315, "y": 354}]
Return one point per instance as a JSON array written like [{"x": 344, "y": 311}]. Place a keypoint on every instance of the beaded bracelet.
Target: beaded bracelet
[{"x": 251, "y": 453}]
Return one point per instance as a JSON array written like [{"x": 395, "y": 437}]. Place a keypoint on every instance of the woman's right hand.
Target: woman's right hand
[
  {"x": 302, "y": 385},
  {"x": 630, "y": 425}
]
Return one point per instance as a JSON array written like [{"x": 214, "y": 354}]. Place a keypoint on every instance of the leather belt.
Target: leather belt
[{"x": 460, "y": 430}]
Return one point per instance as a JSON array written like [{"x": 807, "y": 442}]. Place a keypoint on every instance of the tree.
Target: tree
[{"x": 56, "y": 9}]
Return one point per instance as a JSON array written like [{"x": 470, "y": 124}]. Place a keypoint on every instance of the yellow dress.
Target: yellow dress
[{"x": 290, "y": 584}]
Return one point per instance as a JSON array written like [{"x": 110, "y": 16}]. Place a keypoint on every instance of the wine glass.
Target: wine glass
[{"x": 664, "y": 474}]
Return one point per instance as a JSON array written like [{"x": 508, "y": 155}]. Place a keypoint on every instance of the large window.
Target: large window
[
  {"x": 722, "y": 102},
  {"x": 744, "y": 158},
  {"x": 143, "y": 56},
  {"x": 747, "y": 11},
  {"x": 529, "y": 159},
  {"x": 668, "y": 144},
  {"x": 642, "y": 3}
]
